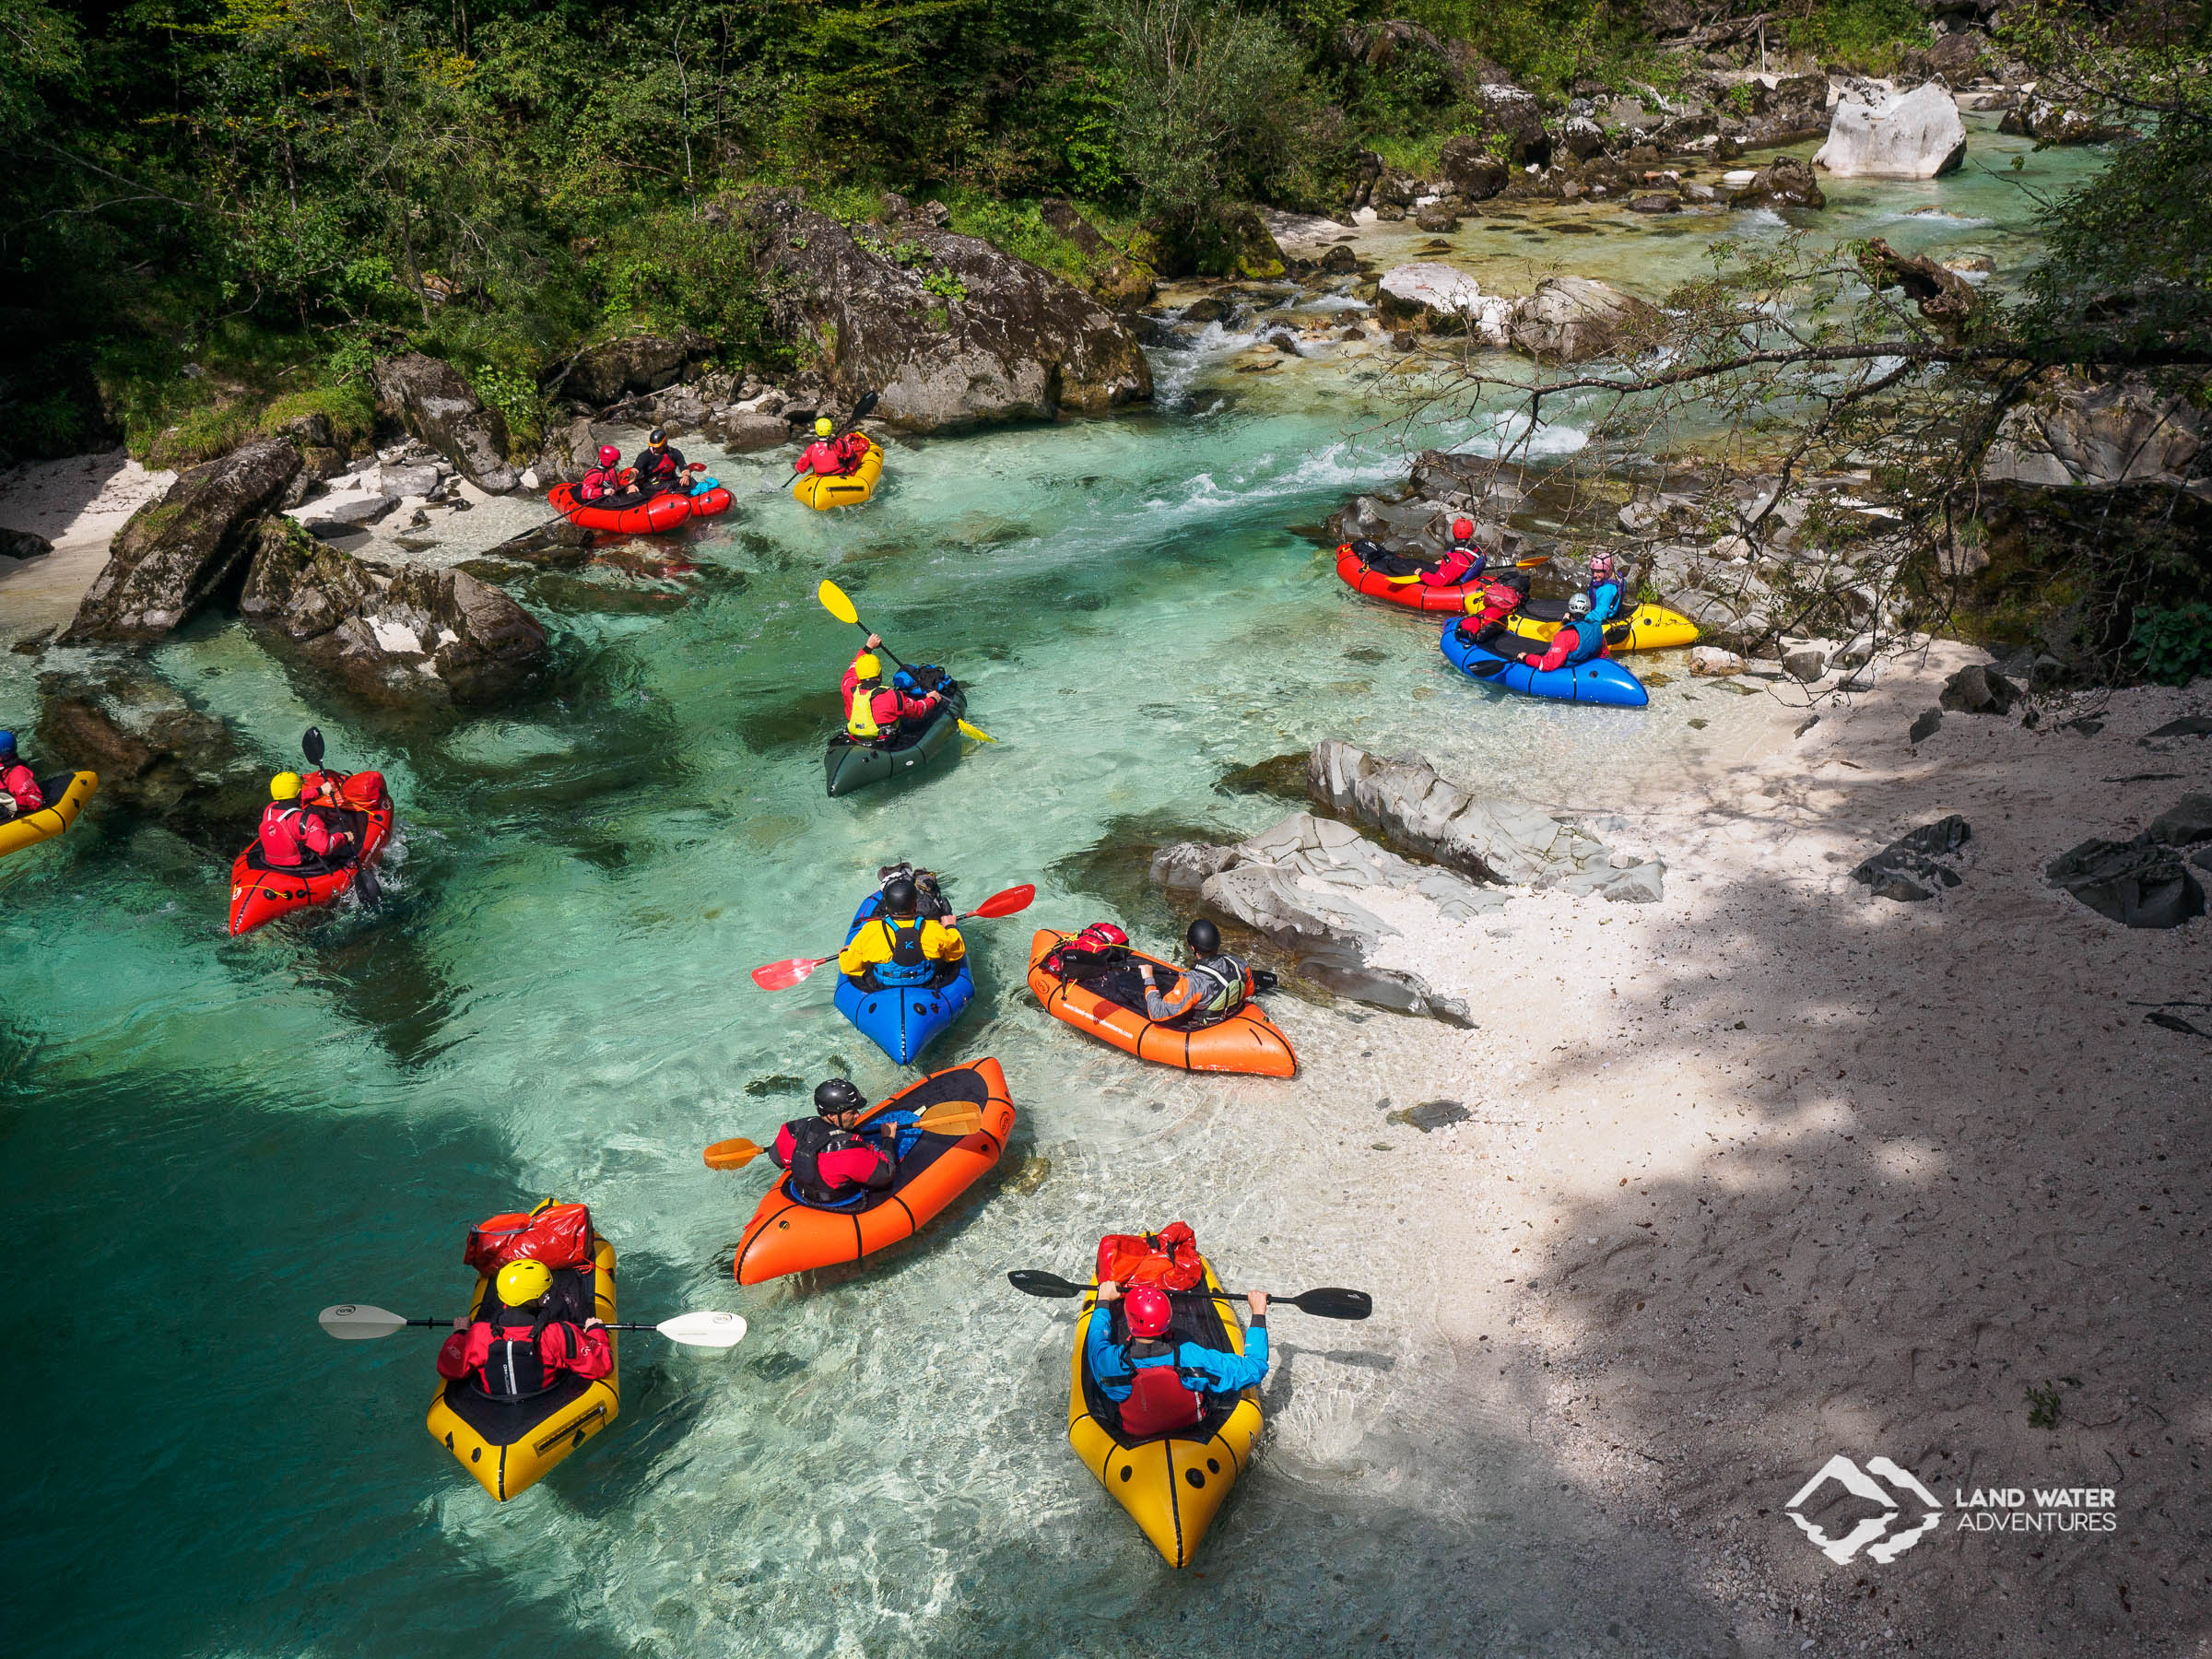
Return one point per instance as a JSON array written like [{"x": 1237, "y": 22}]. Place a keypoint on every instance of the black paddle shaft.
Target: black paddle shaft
[{"x": 1327, "y": 1302}]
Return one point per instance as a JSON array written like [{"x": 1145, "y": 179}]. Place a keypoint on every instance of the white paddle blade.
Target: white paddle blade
[
  {"x": 349, "y": 1322},
  {"x": 705, "y": 1330}
]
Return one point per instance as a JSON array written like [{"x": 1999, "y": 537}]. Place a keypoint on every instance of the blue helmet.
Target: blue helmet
[{"x": 7, "y": 743}]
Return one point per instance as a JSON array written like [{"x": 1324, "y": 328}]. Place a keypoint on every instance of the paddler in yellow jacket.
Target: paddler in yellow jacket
[
  {"x": 894, "y": 948},
  {"x": 876, "y": 711}
]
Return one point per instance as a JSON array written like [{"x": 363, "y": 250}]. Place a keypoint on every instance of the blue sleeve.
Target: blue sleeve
[
  {"x": 1107, "y": 1368},
  {"x": 907, "y": 1131},
  {"x": 1229, "y": 1372},
  {"x": 1604, "y": 604}
]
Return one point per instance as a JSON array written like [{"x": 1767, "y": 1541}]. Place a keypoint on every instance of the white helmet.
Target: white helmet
[{"x": 1578, "y": 606}]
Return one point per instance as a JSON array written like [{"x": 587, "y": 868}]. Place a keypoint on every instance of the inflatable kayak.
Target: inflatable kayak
[
  {"x": 259, "y": 894},
  {"x": 508, "y": 1445},
  {"x": 1596, "y": 681},
  {"x": 1172, "y": 1485},
  {"x": 1647, "y": 627},
  {"x": 849, "y": 763},
  {"x": 65, "y": 795},
  {"x": 903, "y": 1020},
  {"x": 847, "y": 490},
  {"x": 1112, "y": 1007},
  {"x": 662, "y": 513},
  {"x": 785, "y": 1236},
  {"x": 1408, "y": 591}
]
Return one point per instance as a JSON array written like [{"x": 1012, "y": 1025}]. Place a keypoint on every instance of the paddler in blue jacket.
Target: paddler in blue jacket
[
  {"x": 1606, "y": 596},
  {"x": 1580, "y": 638},
  {"x": 1157, "y": 1383}
]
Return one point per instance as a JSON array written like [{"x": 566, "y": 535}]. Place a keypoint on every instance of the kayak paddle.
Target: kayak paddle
[
  {"x": 861, "y": 411},
  {"x": 1329, "y": 1302},
  {"x": 782, "y": 976},
  {"x": 351, "y": 1322},
  {"x": 954, "y": 1117},
  {"x": 838, "y": 604},
  {"x": 364, "y": 877}
]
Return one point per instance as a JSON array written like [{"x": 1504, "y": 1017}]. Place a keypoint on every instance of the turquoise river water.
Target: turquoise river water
[{"x": 207, "y": 1140}]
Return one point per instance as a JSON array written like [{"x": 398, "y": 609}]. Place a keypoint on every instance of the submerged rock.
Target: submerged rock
[
  {"x": 1918, "y": 135},
  {"x": 394, "y": 633},
  {"x": 177, "y": 552},
  {"x": 155, "y": 753},
  {"x": 1786, "y": 182},
  {"x": 993, "y": 338}
]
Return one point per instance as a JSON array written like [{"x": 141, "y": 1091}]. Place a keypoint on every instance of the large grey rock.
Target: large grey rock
[
  {"x": 435, "y": 404},
  {"x": 2078, "y": 434},
  {"x": 1979, "y": 689},
  {"x": 2186, "y": 822},
  {"x": 2139, "y": 883},
  {"x": 1918, "y": 135},
  {"x": 405, "y": 633},
  {"x": 177, "y": 551},
  {"x": 1515, "y": 116},
  {"x": 2049, "y": 121},
  {"x": 1787, "y": 182},
  {"x": 572, "y": 449},
  {"x": 1571, "y": 319},
  {"x": 1017, "y": 343},
  {"x": 635, "y": 363},
  {"x": 155, "y": 753},
  {"x": 1917, "y": 865},
  {"x": 1492, "y": 841},
  {"x": 1469, "y": 168},
  {"x": 1430, "y": 295},
  {"x": 741, "y": 433}
]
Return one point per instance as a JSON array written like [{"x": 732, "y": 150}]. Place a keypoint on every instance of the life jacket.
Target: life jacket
[
  {"x": 600, "y": 483},
  {"x": 810, "y": 1138},
  {"x": 1589, "y": 640},
  {"x": 515, "y": 1368},
  {"x": 281, "y": 848},
  {"x": 859, "y": 719},
  {"x": 1226, "y": 982},
  {"x": 1606, "y": 600},
  {"x": 18, "y": 781},
  {"x": 908, "y": 965},
  {"x": 1161, "y": 1398},
  {"x": 853, "y": 448}
]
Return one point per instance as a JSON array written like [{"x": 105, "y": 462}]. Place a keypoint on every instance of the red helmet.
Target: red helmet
[
  {"x": 1463, "y": 529},
  {"x": 609, "y": 455},
  {"x": 1149, "y": 1311}
]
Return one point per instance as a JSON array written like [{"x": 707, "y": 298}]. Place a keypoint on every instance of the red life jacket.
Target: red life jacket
[
  {"x": 1158, "y": 1401},
  {"x": 19, "y": 782},
  {"x": 281, "y": 848},
  {"x": 514, "y": 1366}
]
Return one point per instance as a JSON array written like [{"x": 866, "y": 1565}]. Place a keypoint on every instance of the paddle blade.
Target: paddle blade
[
  {"x": 1488, "y": 670},
  {"x": 1032, "y": 1281},
  {"x": 782, "y": 976},
  {"x": 311, "y": 745},
  {"x": 1007, "y": 903},
  {"x": 349, "y": 1322},
  {"x": 733, "y": 1153},
  {"x": 863, "y": 409},
  {"x": 954, "y": 1118},
  {"x": 704, "y": 1330},
  {"x": 834, "y": 601},
  {"x": 1331, "y": 1303},
  {"x": 976, "y": 733}
]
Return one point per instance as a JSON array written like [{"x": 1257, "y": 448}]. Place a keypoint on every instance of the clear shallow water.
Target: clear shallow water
[{"x": 209, "y": 1140}]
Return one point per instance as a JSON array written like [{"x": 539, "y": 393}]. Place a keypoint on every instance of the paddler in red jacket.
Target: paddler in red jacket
[
  {"x": 525, "y": 1348},
  {"x": 19, "y": 790},
  {"x": 874, "y": 709},
  {"x": 290, "y": 834},
  {"x": 1463, "y": 561},
  {"x": 833, "y": 457},
  {"x": 835, "y": 1161}
]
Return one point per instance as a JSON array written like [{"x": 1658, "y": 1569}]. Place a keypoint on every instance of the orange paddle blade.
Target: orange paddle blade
[
  {"x": 954, "y": 1118},
  {"x": 1007, "y": 903},
  {"x": 782, "y": 976},
  {"x": 732, "y": 1154}
]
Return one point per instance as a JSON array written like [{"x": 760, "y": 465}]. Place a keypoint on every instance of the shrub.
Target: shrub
[{"x": 2173, "y": 643}]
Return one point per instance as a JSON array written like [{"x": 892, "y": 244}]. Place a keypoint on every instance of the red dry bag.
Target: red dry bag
[{"x": 559, "y": 1235}]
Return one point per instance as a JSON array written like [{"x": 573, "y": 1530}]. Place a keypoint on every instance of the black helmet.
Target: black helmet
[
  {"x": 837, "y": 1097},
  {"x": 657, "y": 436},
  {"x": 1366, "y": 549},
  {"x": 899, "y": 898},
  {"x": 1203, "y": 937}
]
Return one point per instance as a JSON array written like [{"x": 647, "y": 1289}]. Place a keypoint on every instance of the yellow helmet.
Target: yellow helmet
[
  {"x": 865, "y": 666},
  {"x": 285, "y": 786},
  {"x": 522, "y": 1283},
  {"x": 824, "y": 425}
]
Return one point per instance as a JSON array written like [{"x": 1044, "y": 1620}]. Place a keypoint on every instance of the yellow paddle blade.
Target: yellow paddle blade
[
  {"x": 957, "y": 1117},
  {"x": 981, "y": 737},
  {"x": 834, "y": 601}
]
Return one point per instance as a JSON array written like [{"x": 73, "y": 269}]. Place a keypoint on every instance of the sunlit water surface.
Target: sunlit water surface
[{"x": 207, "y": 1140}]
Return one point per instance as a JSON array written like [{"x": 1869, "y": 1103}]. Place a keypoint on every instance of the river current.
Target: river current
[{"x": 207, "y": 1139}]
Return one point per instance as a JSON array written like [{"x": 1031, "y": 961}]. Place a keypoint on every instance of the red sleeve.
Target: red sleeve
[
  {"x": 1451, "y": 572},
  {"x": 781, "y": 1152},
  {"x": 916, "y": 707},
  {"x": 855, "y": 1164},
  {"x": 596, "y": 1357},
  {"x": 451, "y": 1361},
  {"x": 1562, "y": 645},
  {"x": 314, "y": 834}
]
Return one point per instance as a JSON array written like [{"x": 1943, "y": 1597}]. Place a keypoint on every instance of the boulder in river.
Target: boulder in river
[
  {"x": 1918, "y": 135},
  {"x": 435, "y": 404},
  {"x": 2048, "y": 122},
  {"x": 1917, "y": 865},
  {"x": 177, "y": 552},
  {"x": 155, "y": 753},
  {"x": 952, "y": 333},
  {"x": 1786, "y": 182},
  {"x": 635, "y": 363},
  {"x": 1433, "y": 296},
  {"x": 1571, "y": 319},
  {"x": 405, "y": 633},
  {"x": 2139, "y": 883}
]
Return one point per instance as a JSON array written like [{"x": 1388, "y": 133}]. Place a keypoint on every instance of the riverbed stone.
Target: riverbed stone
[
  {"x": 1431, "y": 295},
  {"x": 155, "y": 753},
  {"x": 2186, "y": 822},
  {"x": 1572, "y": 319},
  {"x": 1918, "y": 135},
  {"x": 1711, "y": 661},
  {"x": 1918, "y": 865},
  {"x": 2137, "y": 883},
  {"x": 175, "y": 553},
  {"x": 1979, "y": 689},
  {"x": 1786, "y": 182}
]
